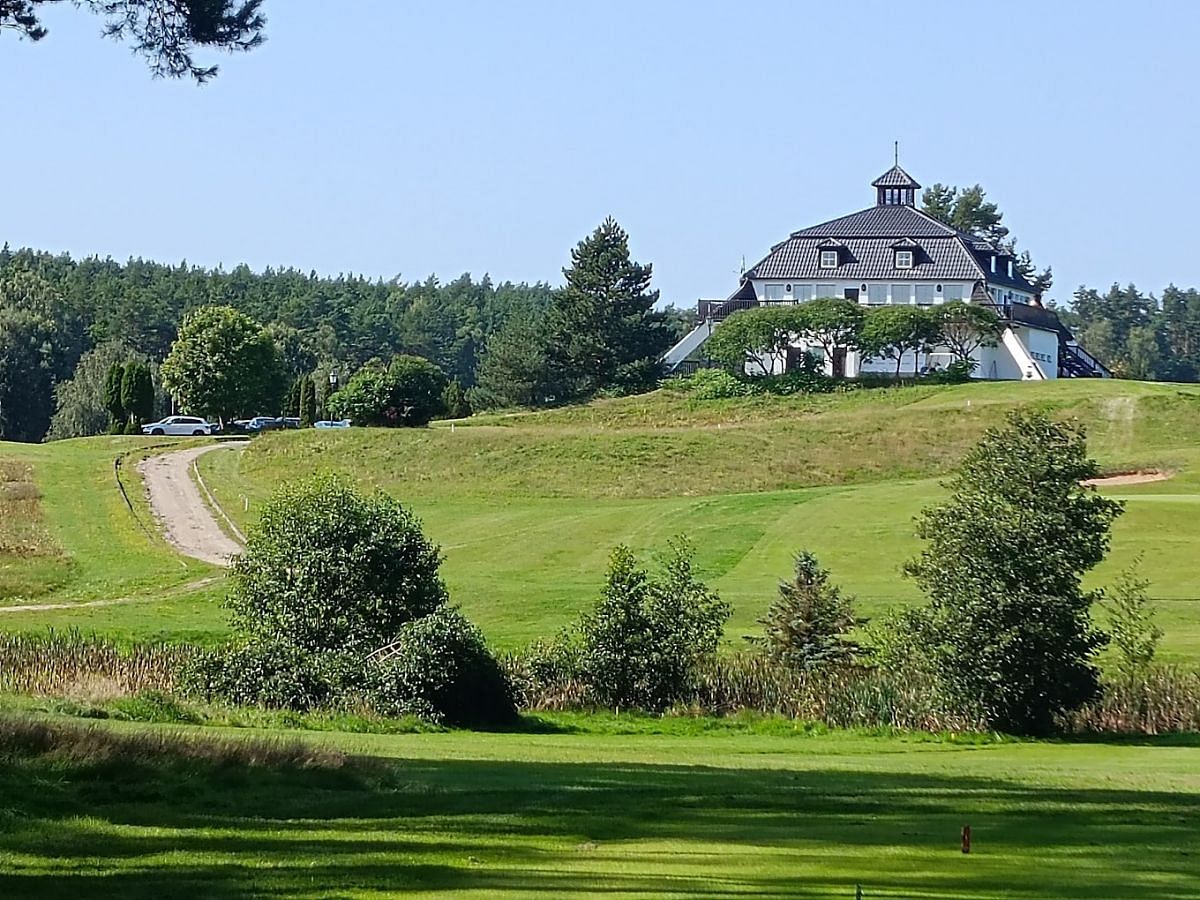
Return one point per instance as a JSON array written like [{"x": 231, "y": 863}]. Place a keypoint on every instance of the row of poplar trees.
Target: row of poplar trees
[{"x": 129, "y": 396}]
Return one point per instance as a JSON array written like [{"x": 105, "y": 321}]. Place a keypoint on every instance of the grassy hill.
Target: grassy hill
[{"x": 527, "y": 506}]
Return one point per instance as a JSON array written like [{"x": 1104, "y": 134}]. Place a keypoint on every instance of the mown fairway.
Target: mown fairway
[
  {"x": 528, "y": 506},
  {"x": 735, "y": 812}
]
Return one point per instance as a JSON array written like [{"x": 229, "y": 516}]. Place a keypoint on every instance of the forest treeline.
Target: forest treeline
[
  {"x": 54, "y": 310},
  {"x": 504, "y": 343}
]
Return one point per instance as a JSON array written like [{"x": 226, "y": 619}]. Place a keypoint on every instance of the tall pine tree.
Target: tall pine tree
[{"x": 603, "y": 331}]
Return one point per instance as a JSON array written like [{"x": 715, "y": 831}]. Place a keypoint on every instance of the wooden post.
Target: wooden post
[
  {"x": 858, "y": 892},
  {"x": 966, "y": 839}
]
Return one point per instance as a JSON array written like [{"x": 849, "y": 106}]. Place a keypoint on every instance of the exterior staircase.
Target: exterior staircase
[{"x": 1075, "y": 362}]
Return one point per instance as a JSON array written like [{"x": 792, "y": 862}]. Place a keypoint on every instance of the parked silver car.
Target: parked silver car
[{"x": 180, "y": 425}]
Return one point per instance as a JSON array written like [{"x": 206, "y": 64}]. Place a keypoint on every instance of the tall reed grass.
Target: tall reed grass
[
  {"x": 85, "y": 667},
  {"x": 1160, "y": 700},
  {"x": 729, "y": 684}
]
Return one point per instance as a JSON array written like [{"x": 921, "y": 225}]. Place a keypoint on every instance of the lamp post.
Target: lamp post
[{"x": 333, "y": 386}]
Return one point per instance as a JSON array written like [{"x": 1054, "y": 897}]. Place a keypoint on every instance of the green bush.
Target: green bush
[
  {"x": 957, "y": 372},
  {"x": 642, "y": 644},
  {"x": 270, "y": 674},
  {"x": 409, "y": 392},
  {"x": 806, "y": 380},
  {"x": 715, "y": 384},
  {"x": 153, "y": 706},
  {"x": 329, "y": 568},
  {"x": 439, "y": 669},
  {"x": 454, "y": 401}
]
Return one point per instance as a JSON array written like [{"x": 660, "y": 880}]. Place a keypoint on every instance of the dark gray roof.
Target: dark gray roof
[
  {"x": 868, "y": 236},
  {"x": 894, "y": 221},
  {"x": 895, "y": 177},
  {"x": 870, "y": 258}
]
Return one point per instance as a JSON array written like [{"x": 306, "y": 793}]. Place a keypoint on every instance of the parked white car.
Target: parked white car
[{"x": 179, "y": 425}]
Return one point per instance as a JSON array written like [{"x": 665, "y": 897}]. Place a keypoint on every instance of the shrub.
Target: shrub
[
  {"x": 329, "y": 568},
  {"x": 153, "y": 706},
  {"x": 454, "y": 401},
  {"x": 714, "y": 384},
  {"x": 806, "y": 627},
  {"x": 808, "y": 379},
  {"x": 1131, "y": 619},
  {"x": 1008, "y": 625},
  {"x": 270, "y": 674},
  {"x": 440, "y": 670},
  {"x": 640, "y": 647},
  {"x": 957, "y": 372},
  {"x": 407, "y": 393}
]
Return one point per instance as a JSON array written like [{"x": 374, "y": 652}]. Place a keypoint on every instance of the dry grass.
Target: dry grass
[
  {"x": 22, "y": 532},
  {"x": 26, "y": 737}
]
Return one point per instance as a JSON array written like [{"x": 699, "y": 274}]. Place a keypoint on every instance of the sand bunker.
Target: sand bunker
[{"x": 1123, "y": 478}]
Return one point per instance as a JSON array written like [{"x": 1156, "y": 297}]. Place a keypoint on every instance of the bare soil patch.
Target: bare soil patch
[{"x": 1119, "y": 479}]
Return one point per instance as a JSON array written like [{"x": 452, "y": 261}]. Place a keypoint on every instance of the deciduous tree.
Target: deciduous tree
[
  {"x": 1008, "y": 626},
  {"x": 759, "y": 336},
  {"x": 831, "y": 323},
  {"x": 891, "y": 332},
  {"x": 331, "y": 569},
  {"x": 964, "y": 328},
  {"x": 223, "y": 364}
]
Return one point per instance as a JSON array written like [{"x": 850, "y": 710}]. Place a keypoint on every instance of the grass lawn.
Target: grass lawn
[
  {"x": 606, "y": 806},
  {"x": 528, "y": 506},
  {"x": 103, "y": 550}
]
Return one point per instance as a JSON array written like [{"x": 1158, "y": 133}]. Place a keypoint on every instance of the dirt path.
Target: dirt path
[
  {"x": 119, "y": 601},
  {"x": 180, "y": 508}
]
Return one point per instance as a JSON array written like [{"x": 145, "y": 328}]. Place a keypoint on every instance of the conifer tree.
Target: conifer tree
[
  {"x": 137, "y": 394},
  {"x": 112, "y": 395},
  {"x": 603, "y": 331},
  {"x": 308, "y": 401},
  {"x": 806, "y": 627}
]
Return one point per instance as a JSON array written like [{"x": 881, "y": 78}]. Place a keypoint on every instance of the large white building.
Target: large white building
[{"x": 893, "y": 253}]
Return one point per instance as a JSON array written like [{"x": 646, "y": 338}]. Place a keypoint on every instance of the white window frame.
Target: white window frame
[
  {"x": 829, "y": 259},
  {"x": 904, "y": 259},
  {"x": 769, "y": 289}
]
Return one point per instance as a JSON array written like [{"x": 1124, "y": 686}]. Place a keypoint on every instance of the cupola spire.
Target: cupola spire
[{"x": 895, "y": 187}]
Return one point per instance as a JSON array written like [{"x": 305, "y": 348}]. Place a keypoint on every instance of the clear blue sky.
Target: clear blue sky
[{"x": 442, "y": 137}]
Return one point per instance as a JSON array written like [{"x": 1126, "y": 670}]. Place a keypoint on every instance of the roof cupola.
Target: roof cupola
[{"x": 895, "y": 187}]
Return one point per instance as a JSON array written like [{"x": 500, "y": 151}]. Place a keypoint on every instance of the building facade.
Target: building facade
[{"x": 893, "y": 253}]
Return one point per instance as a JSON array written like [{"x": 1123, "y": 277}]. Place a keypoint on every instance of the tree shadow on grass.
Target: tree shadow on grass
[{"x": 522, "y": 828}]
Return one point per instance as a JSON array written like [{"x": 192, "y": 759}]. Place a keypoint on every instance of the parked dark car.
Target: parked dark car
[
  {"x": 288, "y": 422},
  {"x": 255, "y": 426}
]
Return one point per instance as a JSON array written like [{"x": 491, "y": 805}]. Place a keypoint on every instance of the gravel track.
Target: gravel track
[{"x": 181, "y": 511}]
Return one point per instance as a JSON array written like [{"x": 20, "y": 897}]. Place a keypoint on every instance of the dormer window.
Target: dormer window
[
  {"x": 904, "y": 259},
  {"x": 829, "y": 259}
]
